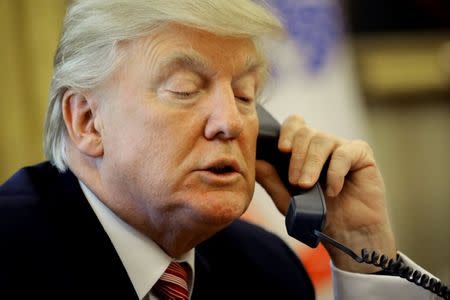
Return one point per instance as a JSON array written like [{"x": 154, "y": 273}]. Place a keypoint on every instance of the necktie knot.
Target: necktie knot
[{"x": 172, "y": 285}]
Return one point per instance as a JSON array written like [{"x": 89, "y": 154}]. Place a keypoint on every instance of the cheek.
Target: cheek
[
  {"x": 143, "y": 157},
  {"x": 158, "y": 147},
  {"x": 250, "y": 138},
  {"x": 248, "y": 148},
  {"x": 130, "y": 142}
]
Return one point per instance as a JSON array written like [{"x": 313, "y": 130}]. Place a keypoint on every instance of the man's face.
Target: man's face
[{"x": 179, "y": 129}]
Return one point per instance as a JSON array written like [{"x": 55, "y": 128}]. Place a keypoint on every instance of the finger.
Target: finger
[
  {"x": 347, "y": 157},
  {"x": 340, "y": 164},
  {"x": 300, "y": 147},
  {"x": 320, "y": 148},
  {"x": 268, "y": 178},
  {"x": 288, "y": 131}
]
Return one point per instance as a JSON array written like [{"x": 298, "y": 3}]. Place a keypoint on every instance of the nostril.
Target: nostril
[{"x": 224, "y": 122}]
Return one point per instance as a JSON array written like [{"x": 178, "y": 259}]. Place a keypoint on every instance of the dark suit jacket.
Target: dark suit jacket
[{"x": 54, "y": 247}]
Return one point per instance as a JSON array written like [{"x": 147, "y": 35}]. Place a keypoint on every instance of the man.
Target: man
[{"x": 151, "y": 134}]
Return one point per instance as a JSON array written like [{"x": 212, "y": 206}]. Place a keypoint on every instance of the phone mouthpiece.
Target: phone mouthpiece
[{"x": 306, "y": 214}]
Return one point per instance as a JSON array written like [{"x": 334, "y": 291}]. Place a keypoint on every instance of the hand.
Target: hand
[{"x": 355, "y": 195}]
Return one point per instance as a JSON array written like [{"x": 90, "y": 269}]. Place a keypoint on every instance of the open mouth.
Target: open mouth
[
  {"x": 221, "y": 169},
  {"x": 221, "y": 173}
]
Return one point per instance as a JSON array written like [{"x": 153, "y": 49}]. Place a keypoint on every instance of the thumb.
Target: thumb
[{"x": 267, "y": 177}]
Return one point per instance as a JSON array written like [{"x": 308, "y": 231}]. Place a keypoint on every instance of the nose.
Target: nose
[{"x": 224, "y": 120}]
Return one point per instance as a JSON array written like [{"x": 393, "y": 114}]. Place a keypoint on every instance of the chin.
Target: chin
[{"x": 221, "y": 212}]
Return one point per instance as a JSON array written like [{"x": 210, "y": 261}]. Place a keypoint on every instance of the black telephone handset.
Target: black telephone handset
[{"x": 306, "y": 213}]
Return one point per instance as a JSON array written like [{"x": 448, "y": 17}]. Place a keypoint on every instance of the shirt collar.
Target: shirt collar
[{"x": 142, "y": 258}]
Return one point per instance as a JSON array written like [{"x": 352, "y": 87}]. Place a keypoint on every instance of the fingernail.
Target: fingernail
[
  {"x": 285, "y": 144},
  {"x": 304, "y": 179}
]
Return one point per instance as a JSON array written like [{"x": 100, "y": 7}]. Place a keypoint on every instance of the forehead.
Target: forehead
[{"x": 180, "y": 45}]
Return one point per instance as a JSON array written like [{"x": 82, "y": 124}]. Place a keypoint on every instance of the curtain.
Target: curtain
[{"x": 30, "y": 30}]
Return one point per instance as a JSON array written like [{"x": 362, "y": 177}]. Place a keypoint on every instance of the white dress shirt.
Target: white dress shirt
[
  {"x": 145, "y": 262},
  {"x": 352, "y": 286},
  {"x": 142, "y": 258}
]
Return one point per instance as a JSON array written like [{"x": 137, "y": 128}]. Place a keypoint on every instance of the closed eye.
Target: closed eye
[
  {"x": 245, "y": 99},
  {"x": 184, "y": 94}
]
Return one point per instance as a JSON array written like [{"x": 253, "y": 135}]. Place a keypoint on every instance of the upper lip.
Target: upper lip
[{"x": 222, "y": 163}]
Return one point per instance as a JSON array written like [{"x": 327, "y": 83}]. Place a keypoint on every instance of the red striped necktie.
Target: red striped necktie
[{"x": 172, "y": 285}]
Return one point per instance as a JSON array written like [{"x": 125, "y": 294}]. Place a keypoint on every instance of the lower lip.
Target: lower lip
[{"x": 217, "y": 179}]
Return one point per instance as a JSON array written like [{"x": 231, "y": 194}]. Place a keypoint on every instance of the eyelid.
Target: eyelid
[
  {"x": 187, "y": 73},
  {"x": 245, "y": 99},
  {"x": 244, "y": 82},
  {"x": 182, "y": 83},
  {"x": 184, "y": 94},
  {"x": 245, "y": 93}
]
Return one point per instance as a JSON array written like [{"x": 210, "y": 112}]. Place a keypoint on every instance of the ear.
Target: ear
[{"x": 80, "y": 119}]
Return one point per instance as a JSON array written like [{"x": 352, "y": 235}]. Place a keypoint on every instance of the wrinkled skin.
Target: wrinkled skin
[{"x": 168, "y": 143}]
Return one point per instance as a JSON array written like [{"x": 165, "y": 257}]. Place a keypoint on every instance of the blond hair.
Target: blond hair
[{"x": 88, "y": 50}]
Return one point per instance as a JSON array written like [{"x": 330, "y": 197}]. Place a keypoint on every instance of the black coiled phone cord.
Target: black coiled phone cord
[{"x": 395, "y": 267}]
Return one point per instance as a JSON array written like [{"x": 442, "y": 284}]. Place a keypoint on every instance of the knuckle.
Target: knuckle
[
  {"x": 301, "y": 134},
  {"x": 315, "y": 159},
  {"x": 321, "y": 138},
  {"x": 363, "y": 145},
  {"x": 296, "y": 118},
  {"x": 341, "y": 155},
  {"x": 298, "y": 146},
  {"x": 334, "y": 176},
  {"x": 297, "y": 155},
  {"x": 332, "y": 172},
  {"x": 360, "y": 143}
]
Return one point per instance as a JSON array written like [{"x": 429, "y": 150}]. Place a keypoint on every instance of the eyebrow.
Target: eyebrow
[
  {"x": 191, "y": 61},
  {"x": 195, "y": 62},
  {"x": 253, "y": 64}
]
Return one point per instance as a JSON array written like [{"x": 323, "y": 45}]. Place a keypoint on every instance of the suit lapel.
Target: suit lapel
[
  {"x": 202, "y": 282},
  {"x": 98, "y": 272}
]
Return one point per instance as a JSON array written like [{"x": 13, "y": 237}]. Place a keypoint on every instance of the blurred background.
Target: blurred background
[{"x": 376, "y": 69}]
